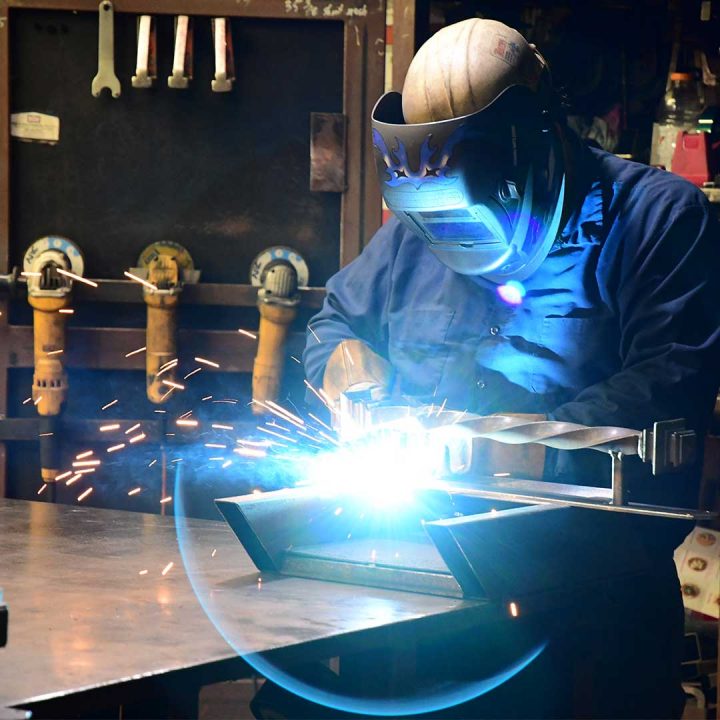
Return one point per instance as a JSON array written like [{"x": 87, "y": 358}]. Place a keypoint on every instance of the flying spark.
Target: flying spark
[
  {"x": 66, "y": 311},
  {"x": 83, "y": 455},
  {"x": 250, "y": 452},
  {"x": 314, "y": 334},
  {"x": 135, "y": 352},
  {"x": 247, "y": 333},
  {"x": 26, "y": 401},
  {"x": 73, "y": 276},
  {"x": 186, "y": 422},
  {"x": 55, "y": 352},
  {"x": 64, "y": 475},
  {"x": 320, "y": 422},
  {"x": 85, "y": 463},
  {"x": 319, "y": 396},
  {"x": 192, "y": 372},
  {"x": 166, "y": 500},
  {"x": 110, "y": 404},
  {"x": 84, "y": 494},
  {"x": 288, "y": 415},
  {"x": 203, "y": 361},
  {"x": 143, "y": 572},
  {"x": 256, "y": 443},
  {"x": 73, "y": 479},
  {"x": 137, "y": 438},
  {"x": 173, "y": 385},
  {"x": 115, "y": 448},
  {"x": 134, "y": 491},
  {"x": 42, "y": 489},
  {"x": 140, "y": 280},
  {"x": 132, "y": 429},
  {"x": 273, "y": 424},
  {"x": 277, "y": 435},
  {"x": 220, "y": 426},
  {"x": 167, "y": 568},
  {"x": 107, "y": 428}
]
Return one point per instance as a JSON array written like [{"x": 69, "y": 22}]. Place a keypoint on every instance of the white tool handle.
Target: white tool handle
[
  {"x": 178, "y": 79},
  {"x": 142, "y": 78},
  {"x": 221, "y": 82}
]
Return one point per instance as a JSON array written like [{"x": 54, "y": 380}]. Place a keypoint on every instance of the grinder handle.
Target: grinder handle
[
  {"x": 161, "y": 347},
  {"x": 275, "y": 319}
]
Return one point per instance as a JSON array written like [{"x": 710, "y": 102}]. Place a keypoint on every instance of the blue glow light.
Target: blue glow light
[
  {"x": 512, "y": 292},
  {"x": 383, "y": 470}
]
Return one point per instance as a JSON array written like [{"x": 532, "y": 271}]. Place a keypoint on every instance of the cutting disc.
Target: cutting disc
[
  {"x": 52, "y": 244},
  {"x": 279, "y": 253},
  {"x": 165, "y": 247}
]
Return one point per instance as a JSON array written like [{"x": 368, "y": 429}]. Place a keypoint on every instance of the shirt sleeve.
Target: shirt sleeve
[
  {"x": 355, "y": 306},
  {"x": 667, "y": 297}
]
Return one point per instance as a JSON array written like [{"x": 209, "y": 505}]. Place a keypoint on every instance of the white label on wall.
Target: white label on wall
[{"x": 35, "y": 126}]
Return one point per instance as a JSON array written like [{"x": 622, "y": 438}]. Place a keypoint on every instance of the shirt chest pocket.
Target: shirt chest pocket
[{"x": 418, "y": 348}]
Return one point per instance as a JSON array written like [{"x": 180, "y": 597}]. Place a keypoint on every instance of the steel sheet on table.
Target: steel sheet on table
[{"x": 82, "y": 617}]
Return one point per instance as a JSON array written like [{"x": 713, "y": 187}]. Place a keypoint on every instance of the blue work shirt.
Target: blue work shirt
[{"x": 620, "y": 325}]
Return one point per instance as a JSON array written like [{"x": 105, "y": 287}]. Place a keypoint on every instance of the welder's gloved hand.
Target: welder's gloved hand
[
  {"x": 356, "y": 378},
  {"x": 490, "y": 457}
]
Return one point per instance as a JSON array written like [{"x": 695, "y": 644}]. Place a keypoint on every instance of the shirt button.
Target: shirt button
[
  {"x": 480, "y": 384},
  {"x": 494, "y": 330}
]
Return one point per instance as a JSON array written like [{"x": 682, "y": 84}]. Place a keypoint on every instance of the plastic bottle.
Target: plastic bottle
[{"x": 679, "y": 109}]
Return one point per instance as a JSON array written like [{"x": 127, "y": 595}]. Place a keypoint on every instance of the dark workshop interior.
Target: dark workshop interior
[{"x": 359, "y": 358}]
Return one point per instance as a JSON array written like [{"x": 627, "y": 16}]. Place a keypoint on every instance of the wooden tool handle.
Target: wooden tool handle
[{"x": 270, "y": 359}]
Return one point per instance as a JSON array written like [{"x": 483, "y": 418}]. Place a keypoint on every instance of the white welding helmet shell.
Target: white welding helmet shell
[{"x": 485, "y": 189}]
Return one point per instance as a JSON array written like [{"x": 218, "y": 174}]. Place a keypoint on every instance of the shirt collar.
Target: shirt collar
[{"x": 588, "y": 217}]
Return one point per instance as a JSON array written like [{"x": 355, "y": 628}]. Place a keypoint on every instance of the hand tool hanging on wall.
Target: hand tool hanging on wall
[
  {"x": 164, "y": 267},
  {"x": 182, "y": 70},
  {"x": 278, "y": 272},
  {"x": 46, "y": 264},
  {"x": 106, "y": 77},
  {"x": 224, "y": 62},
  {"x": 146, "y": 64}
]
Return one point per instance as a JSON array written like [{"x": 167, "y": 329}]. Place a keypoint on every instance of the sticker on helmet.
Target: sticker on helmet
[{"x": 507, "y": 50}]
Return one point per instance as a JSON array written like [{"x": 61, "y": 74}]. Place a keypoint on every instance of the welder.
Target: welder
[{"x": 526, "y": 272}]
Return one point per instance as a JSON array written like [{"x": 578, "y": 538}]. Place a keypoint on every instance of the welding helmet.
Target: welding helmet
[{"x": 476, "y": 166}]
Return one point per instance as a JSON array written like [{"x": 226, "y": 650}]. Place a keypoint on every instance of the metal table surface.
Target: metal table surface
[{"x": 82, "y": 616}]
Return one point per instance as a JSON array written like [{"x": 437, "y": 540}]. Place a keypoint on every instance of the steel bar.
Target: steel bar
[
  {"x": 570, "y": 501},
  {"x": 516, "y": 430}
]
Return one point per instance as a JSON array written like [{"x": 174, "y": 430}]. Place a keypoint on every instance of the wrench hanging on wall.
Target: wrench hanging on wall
[{"x": 106, "y": 77}]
